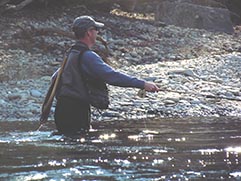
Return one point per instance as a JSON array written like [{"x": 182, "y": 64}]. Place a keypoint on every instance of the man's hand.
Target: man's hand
[{"x": 151, "y": 87}]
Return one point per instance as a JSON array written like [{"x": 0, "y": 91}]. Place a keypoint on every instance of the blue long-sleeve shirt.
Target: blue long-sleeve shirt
[{"x": 95, "y": 67}]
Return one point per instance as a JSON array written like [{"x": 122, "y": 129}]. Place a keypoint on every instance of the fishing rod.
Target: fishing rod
[{"x": 142, "y": 93}]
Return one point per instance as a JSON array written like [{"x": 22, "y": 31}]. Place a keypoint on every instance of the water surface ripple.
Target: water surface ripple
[{"x": 140, "y": 150}]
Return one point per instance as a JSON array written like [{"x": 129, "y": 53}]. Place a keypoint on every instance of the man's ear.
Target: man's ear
[{"x": 87, "y": 33}]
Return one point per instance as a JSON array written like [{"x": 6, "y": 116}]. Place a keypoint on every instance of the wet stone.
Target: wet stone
[
  {"x": 13, "y": 97},
  {"x": 35, "y": 93}
]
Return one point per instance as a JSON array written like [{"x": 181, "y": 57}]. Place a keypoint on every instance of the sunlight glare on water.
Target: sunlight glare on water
[
  {"x": 139, "y": 150},
  {"x": 233, "y": 149},
  {"x": 36, "y": 176},
  {"x": 107, "y": 136}
]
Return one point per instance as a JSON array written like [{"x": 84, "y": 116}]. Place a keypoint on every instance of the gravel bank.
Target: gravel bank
[{"x": 199, "y": 71}]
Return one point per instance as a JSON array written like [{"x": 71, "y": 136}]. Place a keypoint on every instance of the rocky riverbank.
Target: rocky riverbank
[{"x": 198, "y": 71}]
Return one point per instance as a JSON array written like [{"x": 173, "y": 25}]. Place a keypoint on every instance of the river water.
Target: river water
[{"x": 151, "y": 149}]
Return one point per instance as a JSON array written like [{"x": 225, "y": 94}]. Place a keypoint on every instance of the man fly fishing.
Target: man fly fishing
[{"x": 72, "y": 113}]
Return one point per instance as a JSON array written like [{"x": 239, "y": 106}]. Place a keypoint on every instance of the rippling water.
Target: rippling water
[{"x": 156, "y": 149}]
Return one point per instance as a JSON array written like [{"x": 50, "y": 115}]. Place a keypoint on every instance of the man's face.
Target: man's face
[{"x": 93, "y": 31}]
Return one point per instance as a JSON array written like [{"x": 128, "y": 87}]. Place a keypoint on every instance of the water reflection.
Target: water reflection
[{"x": 170, "y": 149}]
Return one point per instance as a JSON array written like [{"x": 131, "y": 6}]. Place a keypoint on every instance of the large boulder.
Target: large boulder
[
  {"x": 194, "y": 15},
  {"x": 235, "y": 7}
]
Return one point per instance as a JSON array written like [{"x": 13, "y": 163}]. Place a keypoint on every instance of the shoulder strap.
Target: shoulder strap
[{"x": 81, "y": 50}]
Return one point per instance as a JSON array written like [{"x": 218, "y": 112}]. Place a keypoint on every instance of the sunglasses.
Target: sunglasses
[{"x": 94, "y": 28}]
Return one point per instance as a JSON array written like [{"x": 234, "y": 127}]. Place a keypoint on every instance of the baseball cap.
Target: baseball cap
[{"x": 82, "y": 23}]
